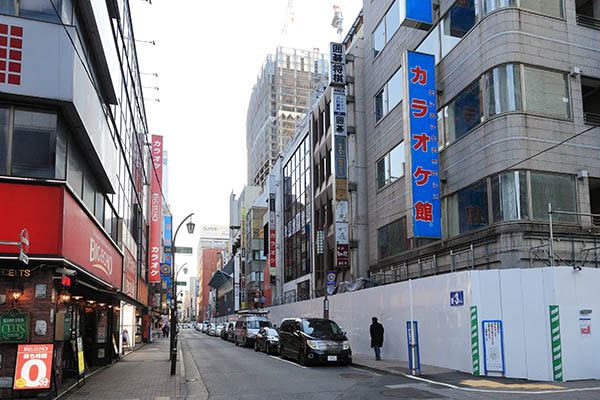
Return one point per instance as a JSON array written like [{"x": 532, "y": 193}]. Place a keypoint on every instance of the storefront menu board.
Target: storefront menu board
[{"x": 34, "y": 366}]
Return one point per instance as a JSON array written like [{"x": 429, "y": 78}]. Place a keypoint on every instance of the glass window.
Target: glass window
[
  {"x": 381, "y": 104},
  {"x": 89, "y": 191},
  {"x": 503, "y": 89},
  {"x": 468, "y": 209},
  {"x": 320, "y": 327},
  {"x": 8, "y": 7},
  {"x": 4, "y": 117},
  {"x": 392, "y": 238},
  {"x": 99, "y": 207},
  {"x": 509, "y": 196},
  {"x": 556, "y": 189},
  {"x": 492, "y": 5},
  {"x": 392, "y": 21},
  {"x": 463, "y": 113},
  {"x": 61, "y": 151},
  {"x": 431, "y": 44},
  {"x": 41, "y": 10},
  {"x": 456, "y": 23},
  {"x": 34, "y": 144},
  {"x": 75, "y": 169},
  {"x": 397, "y": 161},
  {"x": 382, "y": 172},
  {"x": 378, "y": 38},
  {"x": 395, "y": 90},
  {"x": 550, "y": 7},
  {"x": 391, "y": 167},
  {"x": 547, "y": 92}
]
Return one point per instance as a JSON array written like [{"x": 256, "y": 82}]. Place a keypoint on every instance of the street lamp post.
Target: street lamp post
[{"x": 190, "y": 227}]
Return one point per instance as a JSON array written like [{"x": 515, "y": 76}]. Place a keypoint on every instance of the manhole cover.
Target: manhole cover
[
  {"x": 356, "y": 376},
  {"x": 412, "y": 393}
]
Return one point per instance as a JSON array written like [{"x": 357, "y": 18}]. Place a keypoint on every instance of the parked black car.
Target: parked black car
[
  {"x": 314, "y": 340},
  {"x": 267, "y": 340}
]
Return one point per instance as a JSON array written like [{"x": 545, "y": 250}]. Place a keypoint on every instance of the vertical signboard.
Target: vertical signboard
[
  {"x": 129, "y": 285},
  {"x": 168, "y": 233},
  {"x": 155, "y": 209},
  {"x": 422, "y": 138},
  {"x": 337, "y": 62},
  {"x": 33, "y": 367},
  {"x": 493, "y": 347},
  {"x": 272, "y": 235}
]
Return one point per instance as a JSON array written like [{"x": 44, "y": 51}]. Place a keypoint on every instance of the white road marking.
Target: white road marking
[
  {"x": 363, "y": 371},
  {"x": 493, "y": 391},
  {"x": 289, "y": 362}
]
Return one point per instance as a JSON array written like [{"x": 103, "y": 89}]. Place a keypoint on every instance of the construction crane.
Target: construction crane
[
  {"x": 338, "y": 21},
  {"x": 289, "y": 18}
]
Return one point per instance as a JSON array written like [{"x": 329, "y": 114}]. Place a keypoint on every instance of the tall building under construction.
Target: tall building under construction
[{"x": 281, "y": 96}]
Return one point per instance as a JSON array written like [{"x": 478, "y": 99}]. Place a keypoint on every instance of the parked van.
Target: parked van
[
  {"x": 247, "y": 326},
  {"x": 314, "y": 340}
]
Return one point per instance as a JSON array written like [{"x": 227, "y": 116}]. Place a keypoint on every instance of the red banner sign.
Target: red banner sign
[
  {"x": 34, "y": 366},
  {"x": 155, "y": 210},
  {"x": 85, "y": 244},
  {"x": 342, "y": 255}
]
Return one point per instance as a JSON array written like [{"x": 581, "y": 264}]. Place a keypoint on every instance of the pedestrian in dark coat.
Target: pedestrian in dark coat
[{"x": 376, "y": 338}]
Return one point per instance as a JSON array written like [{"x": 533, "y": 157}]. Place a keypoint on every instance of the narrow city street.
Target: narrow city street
[{"x": 232, "y": 372}]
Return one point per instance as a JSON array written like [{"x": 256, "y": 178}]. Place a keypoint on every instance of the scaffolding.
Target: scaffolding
[{"x": 279, "y": 100}]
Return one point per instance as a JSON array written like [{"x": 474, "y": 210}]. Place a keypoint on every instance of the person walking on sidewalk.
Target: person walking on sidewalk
[
  {"x": 165, "y": 330},
  {"x": 376, "y": 338}
]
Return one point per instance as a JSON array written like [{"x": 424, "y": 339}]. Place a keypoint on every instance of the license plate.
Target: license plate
[{"x": 331, "y": 358}]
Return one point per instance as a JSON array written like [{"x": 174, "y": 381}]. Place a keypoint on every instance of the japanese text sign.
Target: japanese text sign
[
  {"x": 168, "y": 231},
  {"x": 155, "y": 210},
  {"x": 34, "y": 366},
  {"x": 337, "y": 60},
  {"x": 423, "y": 145}
]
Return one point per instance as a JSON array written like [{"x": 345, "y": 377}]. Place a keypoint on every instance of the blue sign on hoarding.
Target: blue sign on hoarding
[
  {"x": 420, "y": 11},
  {"x": 423, "y": 145},
  {"x": 167, "y": 237},
  {"x": 457, "y": 298}
]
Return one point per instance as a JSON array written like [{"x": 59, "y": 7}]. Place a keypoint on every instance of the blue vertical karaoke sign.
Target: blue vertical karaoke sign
[{"x": 423, "y": 145}]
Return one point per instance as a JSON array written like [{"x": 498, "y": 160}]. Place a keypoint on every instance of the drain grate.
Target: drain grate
[{"x": 412, "y": 393}]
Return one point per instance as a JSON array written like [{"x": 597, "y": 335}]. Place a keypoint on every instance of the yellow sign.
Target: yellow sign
[
  {"x": 81, "y": 361},
  {"x": 498, "y": 385}
]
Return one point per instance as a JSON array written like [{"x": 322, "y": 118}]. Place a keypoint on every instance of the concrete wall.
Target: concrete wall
[{"x": 520, "y": 298}]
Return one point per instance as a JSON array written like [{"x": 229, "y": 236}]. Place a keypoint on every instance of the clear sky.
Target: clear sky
[{"x": 207, "y": 57}]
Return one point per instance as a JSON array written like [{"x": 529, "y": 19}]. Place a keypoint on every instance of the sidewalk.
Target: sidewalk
[
  {"x": 141, "y": 375},
  {"x": 454, "y": 379}
]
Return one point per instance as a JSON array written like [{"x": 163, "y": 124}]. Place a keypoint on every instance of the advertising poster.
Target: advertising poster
[
  {"x": 33, "y": 367},
  {"x": 80, "y": 359}
]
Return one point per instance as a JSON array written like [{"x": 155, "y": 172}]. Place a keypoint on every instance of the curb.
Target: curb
[{"x": 376, "y": 370}]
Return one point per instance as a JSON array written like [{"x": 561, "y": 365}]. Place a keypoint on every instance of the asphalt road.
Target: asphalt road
[{"x": 231, "y": 372}]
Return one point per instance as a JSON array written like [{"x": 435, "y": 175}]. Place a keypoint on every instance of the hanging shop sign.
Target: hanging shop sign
[
  {"x": 420, "y": 104},
  {"x": 155, "y": 210},
  {"x": 34, "y": 366},
  {"x": 416, "y": 14},
  {"x": 130, "y": 275},
  {"x": 14, "y": 327},
  {"x": 85, "y": 244},
  {"x": 168, "y": 220}
]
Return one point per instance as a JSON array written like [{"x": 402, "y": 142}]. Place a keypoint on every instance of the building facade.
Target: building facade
[
  {"x": 279, "y": 98},
  {"x": 207, "y": 265},
  {"x": 73, "y": 164},
  {"x": 515, "y": 135}
]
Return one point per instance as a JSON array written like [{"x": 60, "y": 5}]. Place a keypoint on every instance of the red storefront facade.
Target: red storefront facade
[{"x": 63, "y": 236}]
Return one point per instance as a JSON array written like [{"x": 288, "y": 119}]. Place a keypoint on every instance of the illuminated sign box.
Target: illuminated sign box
[{"x": 416, "y": 14}]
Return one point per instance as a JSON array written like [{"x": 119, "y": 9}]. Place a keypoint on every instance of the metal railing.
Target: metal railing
[
  {"x": 591, "y": 118},
  {"x": 587, "y": 21}
]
